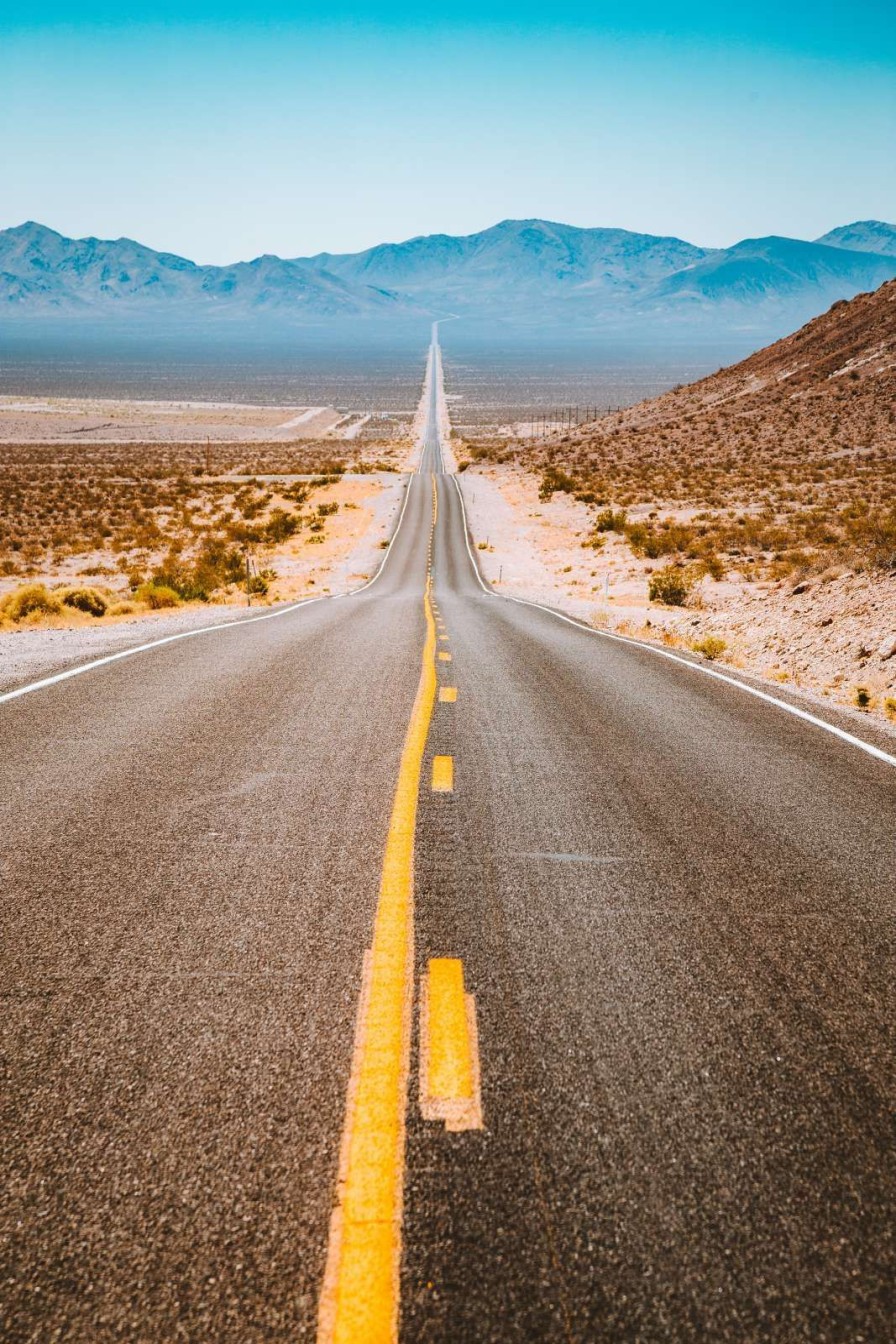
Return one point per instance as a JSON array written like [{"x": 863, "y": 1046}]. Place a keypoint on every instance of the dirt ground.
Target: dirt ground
[{"x": 70, "y": 419}]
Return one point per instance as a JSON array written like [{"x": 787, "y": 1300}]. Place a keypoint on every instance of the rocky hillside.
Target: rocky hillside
[
  {"x": 783, "y": 462},
  {"x": 749, "y": 517}
]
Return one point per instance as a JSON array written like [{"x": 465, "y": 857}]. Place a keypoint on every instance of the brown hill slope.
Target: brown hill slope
[
  {"x": 784, "y": 461},
  {"x": 749, "y": 517}
]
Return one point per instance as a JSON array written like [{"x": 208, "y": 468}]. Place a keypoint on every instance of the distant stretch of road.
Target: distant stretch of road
[{"x": 419, "y": 964}]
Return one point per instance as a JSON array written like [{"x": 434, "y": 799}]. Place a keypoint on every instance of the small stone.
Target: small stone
[{"x": 888, "y": 648}]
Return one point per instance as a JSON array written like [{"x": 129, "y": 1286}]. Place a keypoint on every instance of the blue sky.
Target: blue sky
[{"x": 221, "y": 131}]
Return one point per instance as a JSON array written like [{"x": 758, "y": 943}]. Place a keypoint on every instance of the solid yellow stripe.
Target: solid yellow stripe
[
  {"x": 442, "y": 774},
  {"x": 360, "y": 1296},
  {"x": 450, "y": 1065}
]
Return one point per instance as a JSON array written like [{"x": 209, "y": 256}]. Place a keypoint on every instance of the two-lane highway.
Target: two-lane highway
[{"x": 272, "y": 894}]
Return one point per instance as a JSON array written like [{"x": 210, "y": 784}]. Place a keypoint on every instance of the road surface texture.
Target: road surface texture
[{"x": 672, "y": 907}]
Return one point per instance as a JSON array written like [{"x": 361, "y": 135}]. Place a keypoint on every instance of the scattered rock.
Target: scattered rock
[
  {"x": 888, "y": 648},
  {"x": 800, "y": 588},
  {"x": 828, "y": 620}
]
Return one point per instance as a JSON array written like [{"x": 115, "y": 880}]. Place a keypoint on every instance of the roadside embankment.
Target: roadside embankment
[{"x": 832, "y": 637}]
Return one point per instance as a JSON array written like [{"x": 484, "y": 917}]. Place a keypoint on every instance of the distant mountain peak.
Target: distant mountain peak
[
  {"x": 525, "y": 273},
  {"x": 864, "y": 235}
]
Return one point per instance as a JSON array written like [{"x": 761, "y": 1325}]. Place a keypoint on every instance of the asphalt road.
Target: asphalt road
[{"x": 674, "y": 905}]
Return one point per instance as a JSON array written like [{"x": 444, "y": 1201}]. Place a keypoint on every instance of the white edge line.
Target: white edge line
[
  {"x": 202, "y": 629},
  {"x": 803, "y": 714}
]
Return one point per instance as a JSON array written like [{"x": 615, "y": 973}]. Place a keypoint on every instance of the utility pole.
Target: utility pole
[
  {"x": 248, "y": 580},
  {"x": 208, "y": 456}
]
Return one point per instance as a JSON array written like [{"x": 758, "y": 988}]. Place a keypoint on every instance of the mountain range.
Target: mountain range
[{"x": 519, "y": 274}]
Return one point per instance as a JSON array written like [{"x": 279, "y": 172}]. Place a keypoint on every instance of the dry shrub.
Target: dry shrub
[
  {"x": 554, "y": 479},
  {"x": 30, "y": 599},
  {"x": 711, "y": 646},
  {"x": 671, "y": 586},
  {"x": 84, "y": 599},
  {"x": 158, "y": 595}
]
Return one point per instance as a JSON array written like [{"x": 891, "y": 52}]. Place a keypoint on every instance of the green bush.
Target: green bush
[
  {"x": 297, "y": 492},
  {"x": 85, "y": 599},
  {"x": 555, "y": 479},
  {"x": 30, "y": 598},
  {"x": 281, "y": 525},
  {"x": 671, "y": 585},
  {"x": 609, "y": 520},
  {"x": 158, "y": 595},
  {"x": 710, "y": 646},
  {"x": 217, "y": 564},
  {"x": 667, "y": 539},
  {"x": 713, "y": 566}
]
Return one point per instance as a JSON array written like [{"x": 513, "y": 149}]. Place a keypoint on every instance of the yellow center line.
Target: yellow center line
[
  {"x": 447, "y": 694},
  {"x": 449, "y": 1047},
  {"x": 360, "y": 1294},
  {"x": 442, "y": 774},
  {"x": 449, "y": 1072}
]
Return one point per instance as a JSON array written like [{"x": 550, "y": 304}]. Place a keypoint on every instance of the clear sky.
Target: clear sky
[{"x": 223, "y": 131}]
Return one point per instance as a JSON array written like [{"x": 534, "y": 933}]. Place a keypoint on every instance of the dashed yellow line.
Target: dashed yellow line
[
  {"x": 442, "y": 774},
  {"x": 444, "y": 657},
  {"x": 360, "y": 1295},
  {"x": 449, "y": 1071},
  {"x": 449, "y": 1049},
  {"x": 447, "y": 694}
]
